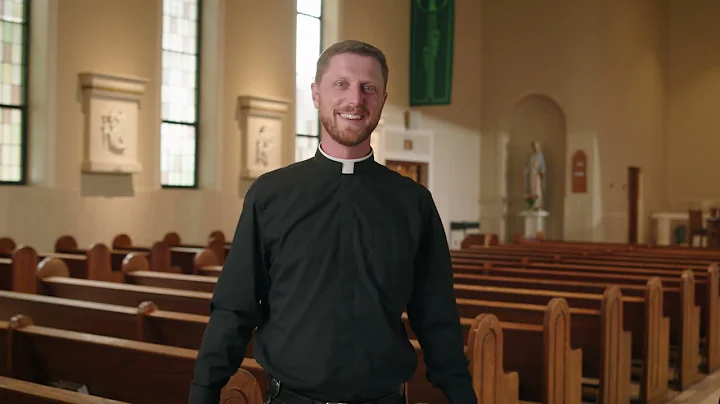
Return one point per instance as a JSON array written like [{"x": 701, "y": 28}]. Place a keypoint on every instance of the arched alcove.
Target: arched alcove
[{"x": 532, "y": 118}]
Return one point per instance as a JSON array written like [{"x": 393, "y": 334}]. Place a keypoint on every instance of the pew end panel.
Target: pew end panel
[
  {"x": 688, "y": 370},
  {"x": 217, "y": 235},
  {"x": 615, "y": 351},
  {"x": 656, "y": 346},
  {"x": 7, "y": 245},
  {"x": 218, "y": 247},
  {"x": 21, "y": 276},
  {"x": 242, "y": 388},
  {"x": 205, "y": 258},
  {"x": 121, "y": 241},
  {"x": 712, "y": 320},
  {"x": 172, "y": 239},
  {"x": 563, "y": 377},
  {"x": 134, "y": 262},
  {"x": 66, "y": 243},
  {"x": 100, "y": 264},
  {"x": 160, "y": 257},
  {"x": 485, "y": 351}
]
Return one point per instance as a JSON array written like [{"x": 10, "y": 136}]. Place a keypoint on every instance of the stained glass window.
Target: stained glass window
[
  {"x": 307, "y": 50},
  {"x": 13, "y": 73},
  {"x": 180, "y": 82}
]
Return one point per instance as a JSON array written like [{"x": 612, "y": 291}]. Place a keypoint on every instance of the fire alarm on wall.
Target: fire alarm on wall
[{"x": 408, "y": 144}]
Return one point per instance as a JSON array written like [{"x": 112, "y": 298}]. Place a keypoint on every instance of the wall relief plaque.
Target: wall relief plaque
[
  {"x": 110, "y": 105},
  {"x": 261, "y": 128}
]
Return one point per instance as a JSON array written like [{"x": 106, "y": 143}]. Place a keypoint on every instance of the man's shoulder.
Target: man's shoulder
[
  {"x": 280, "y": 179},
  {"x": 405, "y": 185}
]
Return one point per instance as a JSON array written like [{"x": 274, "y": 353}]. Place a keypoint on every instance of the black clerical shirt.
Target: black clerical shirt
[{"x": 325, "y": 259}]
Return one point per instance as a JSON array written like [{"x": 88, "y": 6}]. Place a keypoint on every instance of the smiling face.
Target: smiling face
[{"x": 350, "y": 97}]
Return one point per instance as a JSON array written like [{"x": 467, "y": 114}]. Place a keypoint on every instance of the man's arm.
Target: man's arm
[
  {"x": 433, "y": 315},
  {"x": 235, "y": 308}
]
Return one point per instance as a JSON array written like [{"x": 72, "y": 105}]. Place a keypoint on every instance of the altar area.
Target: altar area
[{"x": 666, "y": 223}]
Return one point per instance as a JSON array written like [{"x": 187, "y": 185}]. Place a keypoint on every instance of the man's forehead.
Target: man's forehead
[{"x": 357, "y": 65}]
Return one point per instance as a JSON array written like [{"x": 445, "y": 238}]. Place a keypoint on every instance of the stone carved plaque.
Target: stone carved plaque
[
  {"x": 261, "y": 128},
  {"x": 110, "y": 106}
]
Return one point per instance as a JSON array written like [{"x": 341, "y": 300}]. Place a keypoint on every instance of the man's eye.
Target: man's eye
[{"x": 369, "y": 88}]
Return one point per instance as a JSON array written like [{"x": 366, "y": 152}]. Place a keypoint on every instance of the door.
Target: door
[
  {"x": 633, "y": 192},
  {"x": 417, "y": 171}
]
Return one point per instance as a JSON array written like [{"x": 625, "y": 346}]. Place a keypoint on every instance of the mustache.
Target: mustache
[{"x": 353, "y": 111}]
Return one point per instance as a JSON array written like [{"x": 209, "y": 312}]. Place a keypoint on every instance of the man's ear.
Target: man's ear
[{"x": 315, "y": 95}]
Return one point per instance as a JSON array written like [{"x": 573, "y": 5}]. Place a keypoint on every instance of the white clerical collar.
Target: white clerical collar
[{"x": 348, "y": 165}]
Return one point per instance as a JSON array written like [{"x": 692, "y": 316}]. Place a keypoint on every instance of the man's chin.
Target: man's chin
[{"x": 350, "y": 139}]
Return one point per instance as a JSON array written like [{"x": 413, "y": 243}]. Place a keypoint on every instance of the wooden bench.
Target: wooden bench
[
  {"x": 140, "y": 372},
  {"x": 679, "y": 306},
  {"x": 19, "y": 391},
  {"x": 158, "y": 254},
  {"x": 707, "y": 301},
  {"x": 686, "y": 334},
  {"x": 137, "y": 272},
  {"x": 606, "y": 347},
  {"x": 216, "y": 242},
  {"x": 549, "y": 370},
  {"x": 144, "y": 322},
  {"x": 179, "y": 257}
]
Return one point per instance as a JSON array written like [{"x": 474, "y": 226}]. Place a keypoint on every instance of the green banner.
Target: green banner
[{"x": 432, "y": 26}]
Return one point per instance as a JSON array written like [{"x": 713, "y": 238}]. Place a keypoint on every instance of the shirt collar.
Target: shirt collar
[{"x": 346, "y": 166}]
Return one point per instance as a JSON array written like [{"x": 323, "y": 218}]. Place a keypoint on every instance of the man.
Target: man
[{"x": 327, "y": 255}]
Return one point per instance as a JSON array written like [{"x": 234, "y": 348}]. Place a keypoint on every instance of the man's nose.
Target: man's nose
[{"x": 355, "y": 95}]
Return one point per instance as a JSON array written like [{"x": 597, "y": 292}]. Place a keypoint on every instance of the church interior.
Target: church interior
[{"x": 568, "y": 147}]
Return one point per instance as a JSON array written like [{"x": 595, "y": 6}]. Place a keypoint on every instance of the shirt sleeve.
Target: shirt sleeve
[
  {"x": 235, "y": 307},
  {"x": 433, "y": 314}
]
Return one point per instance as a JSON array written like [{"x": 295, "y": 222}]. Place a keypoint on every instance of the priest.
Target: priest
[{"x": 327, "y": 255}]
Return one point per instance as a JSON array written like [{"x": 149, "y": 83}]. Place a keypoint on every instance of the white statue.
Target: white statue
[{"x": 535, "y": 178}]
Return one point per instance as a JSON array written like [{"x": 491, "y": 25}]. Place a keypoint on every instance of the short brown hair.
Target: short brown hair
[{"x": 351, "y": 46}]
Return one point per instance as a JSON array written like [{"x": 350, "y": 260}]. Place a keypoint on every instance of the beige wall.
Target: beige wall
[
  {"x": 123, "y": 37},
  {"x": 456, "y": 127},
  {"x": 693, "y": 122},
  {"x": 248, "y": 48},
  {"x": 603, "y": 63},
  {"x": 636, "y": 82}
]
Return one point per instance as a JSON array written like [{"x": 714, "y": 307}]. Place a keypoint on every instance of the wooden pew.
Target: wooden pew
[
  {"x": 137, "y": 272},
  {"x": 679, "y": 305},
  {"x": 216, "y": 242},
  {"x": 140, "y": 372},
  {"x": 149, "y": 324},
  {"x": 606, "y": 347},
  {"x": 158, "y": 254},
  {"x": 181, "y": 259},
  {"x": 7, "y": 245},
  {"x": 708, "y": 301},
  {"x": 22, "y": 392},
  {"x": 144, "y": 322},
  {"x": 53, "y": 280},
  {"x": 19, "y": 270},
  {"x": 486, "y": 350},
  {"x": 549, "y": 370}
]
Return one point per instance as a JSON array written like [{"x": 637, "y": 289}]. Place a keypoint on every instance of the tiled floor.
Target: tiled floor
[{"x": 705, "y": 392}]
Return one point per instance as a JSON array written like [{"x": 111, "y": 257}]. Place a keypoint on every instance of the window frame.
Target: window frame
[
  {"x": 23, "y": 107},
  {"x": 322, "y": 46},
  {"x": 196, "y": 124}
]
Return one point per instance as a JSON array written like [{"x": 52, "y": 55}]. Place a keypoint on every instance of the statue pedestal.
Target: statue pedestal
[{"x": 534, "y": 222}]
